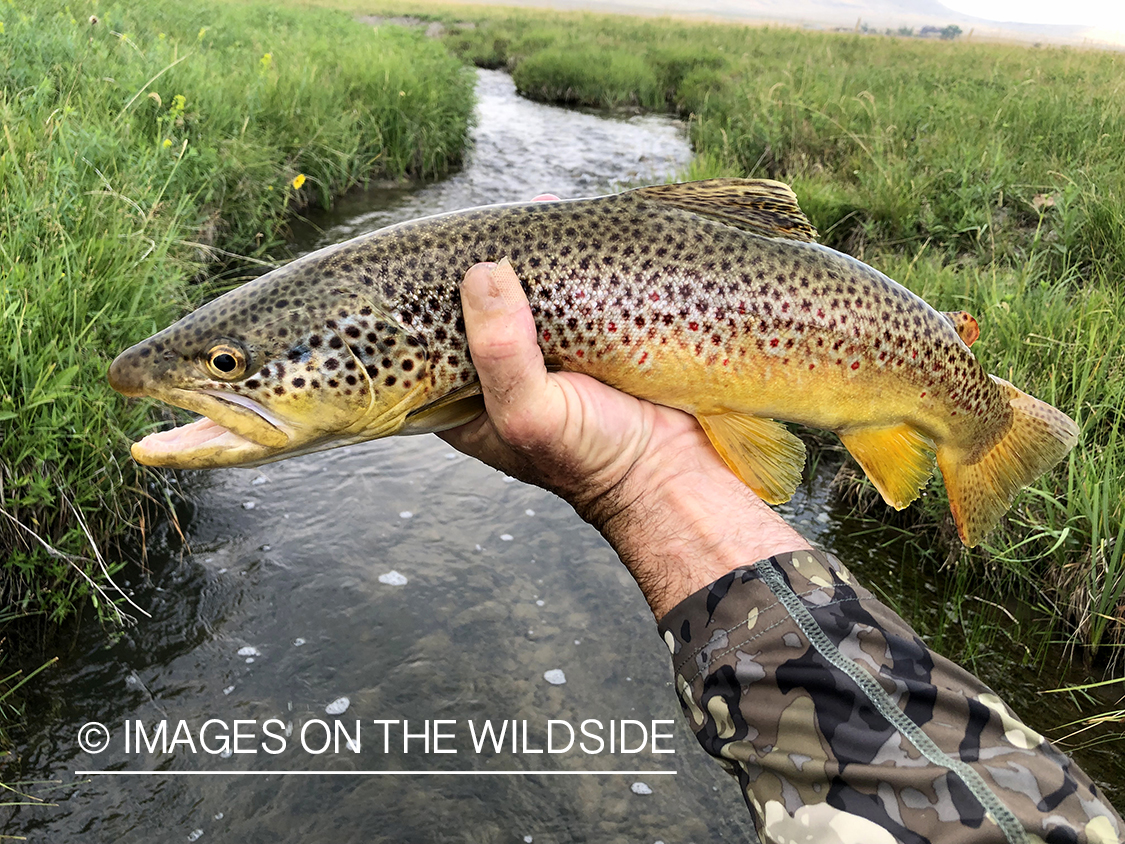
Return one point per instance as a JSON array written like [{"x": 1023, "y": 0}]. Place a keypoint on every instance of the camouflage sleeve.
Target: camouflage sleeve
[{"x": 842, "y": 727}]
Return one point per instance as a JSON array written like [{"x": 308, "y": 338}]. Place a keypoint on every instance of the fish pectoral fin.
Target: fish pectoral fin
[
  {"x": 968, "y": 329},
  {"x": 462, "y": 405},
  {"x": 898, "y": 459},
  {"x": 761, "y": 452},
  {"x": 761, "y": 206}
]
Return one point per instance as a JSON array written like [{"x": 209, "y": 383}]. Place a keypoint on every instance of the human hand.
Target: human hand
[{"x": 645, "y": 475}]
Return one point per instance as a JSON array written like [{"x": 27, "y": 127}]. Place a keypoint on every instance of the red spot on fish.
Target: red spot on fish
[
  {"x": 654, "y": 296},
  {"x": 546, "y": 335},
  {"x": 785, "y": 362},
  {"x": 725, "y": 361},
  {"x": 694, "y": 326},
  {"x": 922, "y": 396},
  {"x": 812, "y": 366},
  {"x": 820, "y": 312},
  {"x": 581, "y": 354},
  {"x": 855, "y": 365},
  {"x": 774, "y": 342},
  {"x": 784, "y": 306},
  {"x": 612, "y": 326},
  {"x": 914, "y": 354},
  {"x": 644, "y": 357}
]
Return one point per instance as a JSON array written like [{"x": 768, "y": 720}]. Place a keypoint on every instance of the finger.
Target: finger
[
  {"x": 502, "y": 341},
  {"x": 546, "y": 197}
]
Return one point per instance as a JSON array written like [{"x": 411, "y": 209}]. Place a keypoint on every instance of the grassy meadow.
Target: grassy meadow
[
  {"x": 144, "y": 147},
  {"x": 142, "y": 150}
]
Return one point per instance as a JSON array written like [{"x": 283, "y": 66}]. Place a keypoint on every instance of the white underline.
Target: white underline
[{"x": 370, "y": 773}]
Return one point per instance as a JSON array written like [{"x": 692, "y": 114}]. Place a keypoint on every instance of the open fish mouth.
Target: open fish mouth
[{"x": 235, "y": 431}]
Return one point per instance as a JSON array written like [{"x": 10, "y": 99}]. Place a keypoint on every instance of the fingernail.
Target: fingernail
[
  {"x": 492, "y": 287},
  {"x": 477, "y": 288}
]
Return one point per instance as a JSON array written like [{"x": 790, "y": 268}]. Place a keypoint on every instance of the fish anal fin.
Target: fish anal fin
[
  {"x": 968, "y": 329},
  {"x": 898, "y": 459},
  {"x": 761, "y": 452},
  {"x": 457, "y": 408},
  {"x": 761, "y": 206}
]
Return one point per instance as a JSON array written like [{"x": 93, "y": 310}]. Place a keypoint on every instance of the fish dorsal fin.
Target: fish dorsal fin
[
  {"x": 764, "y": 455},
  {"x": 897, "y": 459},
  {"x": 761, "y": 206},
  {"x": 967, "y": 327}
]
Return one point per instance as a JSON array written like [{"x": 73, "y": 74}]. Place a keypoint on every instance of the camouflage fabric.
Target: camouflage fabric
[{"x": 842, "y": 727}]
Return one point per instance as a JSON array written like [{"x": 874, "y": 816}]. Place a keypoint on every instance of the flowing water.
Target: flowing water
[{"x": 401, "y": 582}]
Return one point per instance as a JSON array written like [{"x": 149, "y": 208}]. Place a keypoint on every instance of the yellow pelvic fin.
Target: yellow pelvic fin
[
  {"x": 898, "y": 460},
  {"x": 981, "y": 491},
  {"x": 966, "y": 325},
  {"x": 761, "y": 206},
  {"x": 462, "y": 405},
  {"x": 764, "y": 455}
]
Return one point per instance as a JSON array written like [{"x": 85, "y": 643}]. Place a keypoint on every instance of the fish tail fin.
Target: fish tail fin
[{"x": 981, "y": 491}]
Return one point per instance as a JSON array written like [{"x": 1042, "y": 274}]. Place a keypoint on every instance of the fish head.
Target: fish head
[{"x": 277, "y": 367}]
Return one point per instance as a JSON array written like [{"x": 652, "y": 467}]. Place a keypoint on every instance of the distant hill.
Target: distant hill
[{"x": 878, "y": 15}]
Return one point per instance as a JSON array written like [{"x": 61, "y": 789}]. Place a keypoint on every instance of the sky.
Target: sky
[{"x": 1103, "y": 14}]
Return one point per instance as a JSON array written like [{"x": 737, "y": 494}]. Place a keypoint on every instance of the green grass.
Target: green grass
[{"x": 139, "y": 149}]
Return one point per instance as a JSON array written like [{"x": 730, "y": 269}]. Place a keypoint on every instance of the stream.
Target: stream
[{"x": 398, "y": 581}]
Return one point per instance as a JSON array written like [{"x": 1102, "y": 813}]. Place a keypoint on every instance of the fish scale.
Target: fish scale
[{"x": 711, "y": 297}]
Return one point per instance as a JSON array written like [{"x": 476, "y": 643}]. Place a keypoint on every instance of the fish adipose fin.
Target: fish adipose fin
[
  {"x": 898, "y": 460},
  {"x": 966, "y": 325},
  {"x": 760, "y": 206},
  {"x": 764, "y": 455},
  {"x": 981, "y": 491}
]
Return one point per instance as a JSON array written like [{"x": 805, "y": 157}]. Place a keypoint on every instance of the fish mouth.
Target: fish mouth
[{"x": 234, "y": 431}]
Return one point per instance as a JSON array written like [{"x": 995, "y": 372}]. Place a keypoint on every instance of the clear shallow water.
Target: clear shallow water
[{"x": 284, "y": 599}]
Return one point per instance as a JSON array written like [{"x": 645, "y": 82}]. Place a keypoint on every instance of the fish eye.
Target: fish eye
[{"x": 226, "y": 361}]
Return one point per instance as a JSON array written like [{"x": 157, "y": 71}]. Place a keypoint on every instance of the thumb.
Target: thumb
[{"x": 503, "y": 345}]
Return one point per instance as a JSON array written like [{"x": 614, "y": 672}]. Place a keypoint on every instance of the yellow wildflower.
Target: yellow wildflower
[
  {"x": 167, "y": 143},
  {"x": 298, "y": 180}
]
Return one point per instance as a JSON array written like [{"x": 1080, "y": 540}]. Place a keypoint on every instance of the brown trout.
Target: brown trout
[{"x": 711, "y": 297}]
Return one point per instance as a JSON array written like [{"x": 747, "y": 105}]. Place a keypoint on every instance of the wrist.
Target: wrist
[{"x": 681, "y": 523}]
